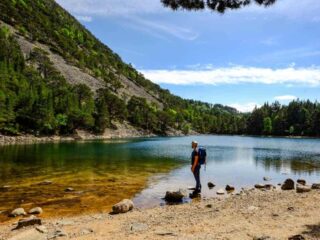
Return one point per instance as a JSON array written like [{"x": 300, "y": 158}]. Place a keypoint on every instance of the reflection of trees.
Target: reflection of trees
[{"x": 297, "y": 164}]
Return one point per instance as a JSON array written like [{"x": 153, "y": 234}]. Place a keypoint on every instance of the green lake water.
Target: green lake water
[{"x": 104, "y": 172}]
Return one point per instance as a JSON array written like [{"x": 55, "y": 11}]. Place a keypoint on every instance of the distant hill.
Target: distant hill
[{"x": 56, "y": 78}]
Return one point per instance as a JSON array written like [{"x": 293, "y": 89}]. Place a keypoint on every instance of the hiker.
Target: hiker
[{"x": 196, "y": 165}]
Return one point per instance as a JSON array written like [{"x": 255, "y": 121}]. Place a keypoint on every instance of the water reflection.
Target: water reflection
[{"x": 104, "y": 172}]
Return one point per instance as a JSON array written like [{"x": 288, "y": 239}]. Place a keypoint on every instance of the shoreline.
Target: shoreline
[
  {"x": 253, "y": 214},
  {"x": 122, "y": 131},
  {"x": 113, "y": 134}
]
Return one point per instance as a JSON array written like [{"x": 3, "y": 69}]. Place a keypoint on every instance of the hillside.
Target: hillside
[
  {"x": 53, "y": 47},
  {"x": 56, "y": 78}
]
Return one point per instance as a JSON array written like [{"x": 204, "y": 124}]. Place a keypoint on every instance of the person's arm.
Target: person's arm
[{"x": 196, "y": 158}]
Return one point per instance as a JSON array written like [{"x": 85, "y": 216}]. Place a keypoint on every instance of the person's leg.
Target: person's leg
[{"x": 197, "y": 178}]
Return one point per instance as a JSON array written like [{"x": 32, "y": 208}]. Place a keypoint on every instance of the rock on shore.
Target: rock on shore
[
  {"x": 122, "y": 207},
  {"x": 25, "y": 222},
  {"x": 288, "y": 184},
  {"x": 36, "y": 210},
  {"x": 18, "y": 212},
  {"x": 174, "y": 196},
  {"x": 303, "y": 188}
]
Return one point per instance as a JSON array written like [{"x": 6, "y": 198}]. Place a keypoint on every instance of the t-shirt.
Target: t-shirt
[{"x": 193, "y": 155}]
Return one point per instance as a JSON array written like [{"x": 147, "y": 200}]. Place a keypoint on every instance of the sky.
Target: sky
[{"x": 242, "y": 58}]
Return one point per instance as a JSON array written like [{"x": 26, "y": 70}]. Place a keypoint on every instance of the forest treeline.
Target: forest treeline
[{"x": 35, "y": 98}]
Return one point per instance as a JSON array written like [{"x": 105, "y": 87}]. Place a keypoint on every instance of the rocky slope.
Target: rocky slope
[{"x": 75, "y": 75}]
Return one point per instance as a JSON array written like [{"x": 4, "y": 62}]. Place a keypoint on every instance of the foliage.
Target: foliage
[
  {"x": 215, "y": 5},
  {"x": 297, "y": 118}
]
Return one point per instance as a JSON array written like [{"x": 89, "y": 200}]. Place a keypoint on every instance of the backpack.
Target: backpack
[{"x": 202, "y": 155}]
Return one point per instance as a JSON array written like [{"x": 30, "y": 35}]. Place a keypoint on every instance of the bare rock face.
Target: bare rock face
[
  {"x": 174, "y": 196},
  {"x": 18, "y": 212},
  {"x": 303, "y": 189},
  {"x": 25, "y": 222},
  {"x": 122, "y": 207},
  {"x": 288, "y": 184},
  {"x": 36, "y": 210}
]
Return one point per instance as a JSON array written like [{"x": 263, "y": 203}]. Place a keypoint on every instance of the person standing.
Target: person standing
[{"x": 195, "y": 166}]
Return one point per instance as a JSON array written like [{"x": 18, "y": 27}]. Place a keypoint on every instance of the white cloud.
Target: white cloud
[
  {"x": 245, "y": 107},
  {"x": 159, "y": 28},
  {"x": 237, "y": 75},
  {"x": 285, "y": 98},
  {"x": 84, "y": 18}
]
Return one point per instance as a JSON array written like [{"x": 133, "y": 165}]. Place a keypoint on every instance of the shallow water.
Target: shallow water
[{"x": 103, "y": 173}]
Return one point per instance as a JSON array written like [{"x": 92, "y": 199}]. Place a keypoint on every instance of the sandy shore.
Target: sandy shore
[{"x": 254, "y": 214}]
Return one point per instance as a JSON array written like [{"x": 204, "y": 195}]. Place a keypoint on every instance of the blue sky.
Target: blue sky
[{"x": 242, "y": 58}]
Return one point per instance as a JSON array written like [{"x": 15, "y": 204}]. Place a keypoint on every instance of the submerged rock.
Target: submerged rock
[
  {"x": 46, "y": 182},
  {"x": 303, "y": 189},
  {"x": 301, "y": 181},
  {"x": 69, "y": 189},
  {"x": 18, "y": 212},
  {"x": 30, "y": 221},
  {"x": 4, "y": 188},
  {"x": 315, "y": 186},
  {"x": 174, "y": 196},
  {"x": 288, "y": 184},
  {"x": 211, "y": 185},
  {"x": 36, "y": 210},
  {"x": 123, "y": 206}
]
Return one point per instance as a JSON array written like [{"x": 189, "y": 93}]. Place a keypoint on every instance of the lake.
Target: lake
[{"x": 104, "y": 172}]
